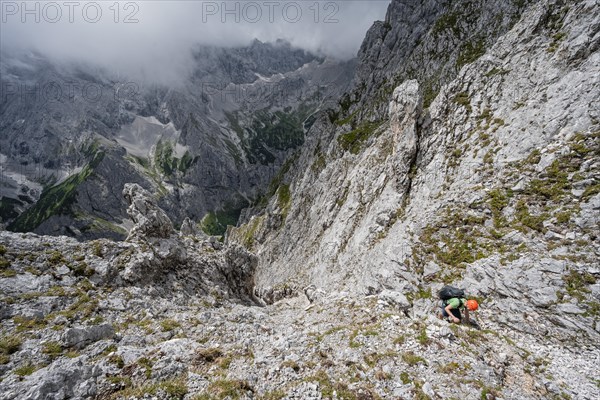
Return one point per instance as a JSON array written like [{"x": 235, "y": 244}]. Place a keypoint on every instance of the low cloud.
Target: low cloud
[{"x": 153, "y": 39}]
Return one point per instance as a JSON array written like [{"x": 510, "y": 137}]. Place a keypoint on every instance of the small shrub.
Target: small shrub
[
  {"x": 412, "y": 359},
  {"x": 463, "y": 99},
  {"x": 56, "y": 257},
  {"x": 405, "y": 378},
  {"x": 52, "y": 349},
  {"x": 422, "y": 337},
  {"x": 233, "y": 389},
  {"x": 450, "y": 368},
  {"x": 354, "y": 140},
  {"x": 291, "y": 364},
  {"x": 9, "y": 345},
  {"x": 207, "y": 355},
  {"x": 117, "y": 360},
  {"x": 169, "y": 325},
  {"x": 26, "y": 369}
]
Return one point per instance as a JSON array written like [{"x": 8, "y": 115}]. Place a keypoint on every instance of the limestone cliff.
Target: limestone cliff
[{"x": 491, "y": 185}]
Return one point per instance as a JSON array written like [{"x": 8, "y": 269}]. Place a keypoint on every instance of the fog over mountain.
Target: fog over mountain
[{"x": 153, "y": 39}]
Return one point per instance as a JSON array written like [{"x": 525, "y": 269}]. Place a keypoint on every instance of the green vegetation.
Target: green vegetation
[
  {"x": 430, "y": 92},
  {"x": 525, "y": 219},
  {"x": 372, "y": 359},
  {"x": 496, "y": 71},
  {"x": 319, "y": 164},
  {"x": 470, "y": 53},
  {"x": 284, "y": 198},
  {"x": 55, "y": 200},
  {"x": 274, "y": 395},
  {"x": 26, "y": 369},
  {"x": 28, "y": 324},
  {"x": 216, "y": 223},
  {"x": 268, "y": 131},
  {"x": 328, "y": 387},
  {"x": 556, "y": 39},
  {"x": 555, "y": 185},
  {"x": 168, "y": 325},
  {"x": 9, "y": 345},
  {"x": 248, "y": 231},
  {"x": 534, "y": 157},
  {"x": 576, "y": 284},
  {"x": 405, "y": 378},
  {"x": 55, "y": 257},
  {"x": 422, "y": 337},
  {"x": 175, "y": 389},
  {"x": 450, "y": 368},
  {"x": 464, "y": 100},
  {"x": 225, "y": 389},
  {"x": 52, "y": 349},
  {"x": 447, "y": 22},
  {"x": 208, "y": 355},
  {"x": 498, "y": 200},
  {"x": 412, "y": 359},
  {"x": 591, "y": 191},
  {"x": 354, "y": 140},
  {"x": 167, "y": 163},
  {"x": 163, "y": 157}
]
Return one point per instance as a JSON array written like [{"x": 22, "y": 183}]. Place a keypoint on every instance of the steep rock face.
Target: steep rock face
[
  {"x": 493, "y": 186},
  {"x": 429, "y": 41},
  {"x": 405, "y": 110}
]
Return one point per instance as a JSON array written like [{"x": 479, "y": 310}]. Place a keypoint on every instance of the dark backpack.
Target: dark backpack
[{"x": 450, "y": 292}]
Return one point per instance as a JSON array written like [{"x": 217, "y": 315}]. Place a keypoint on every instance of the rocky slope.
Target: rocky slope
[
  {"x": 172, "y": 316},
  {"x": 493, "y": 185},
  {"x": 73, "y": 135}
]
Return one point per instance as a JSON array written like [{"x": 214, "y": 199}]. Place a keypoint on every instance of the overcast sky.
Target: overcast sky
[{"x": 154, "y": 37}]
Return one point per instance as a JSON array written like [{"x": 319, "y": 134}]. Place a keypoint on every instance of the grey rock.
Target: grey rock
[
  {"x": 569, "y": 308},
  {"x": 66, "y": 378},
  {"x": 550, "y": 235},
  {"x": 188, "y": 228},
  {"x": 431, "y": 269},
  {"x": 149, "y": 219},
  {"x": 313, "y": 294},
  {"x": 81, "y": 337},
  {"x": 5, "y": 311},
  {"x": 395, "y": 299}
]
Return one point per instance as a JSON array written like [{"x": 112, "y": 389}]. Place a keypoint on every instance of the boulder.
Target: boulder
[
  {"x": 149, "y": 219},
  {"x": 395, "y": 299},
  {"x": 188, "y": 228},
  {"x": 81, "y": 337}
]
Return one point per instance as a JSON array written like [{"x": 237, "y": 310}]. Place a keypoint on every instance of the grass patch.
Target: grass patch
[
  {"x": 175, "y": 389},
  {"x": 470, "y": 53},
  {"x": 168, "y": 325},
  {"x": 412, "y": 359},
  {"x": 226, "y": 389},
  {"x": 215, "y": 223},
  {"x": 52, "y": 349},
  {"x": 26, "y": 369},
  {"x": 55, "y": 200},
  {"x": 9, "y": 345},
  {"x": 354, "y": 140},
  {"x": 464, "y": 100}
]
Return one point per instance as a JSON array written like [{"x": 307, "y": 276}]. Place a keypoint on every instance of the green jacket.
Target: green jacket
[{"x": 456, "y": 303}]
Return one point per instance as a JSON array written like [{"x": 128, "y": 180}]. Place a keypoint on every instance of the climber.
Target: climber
[{"x": 451, "y": 309}]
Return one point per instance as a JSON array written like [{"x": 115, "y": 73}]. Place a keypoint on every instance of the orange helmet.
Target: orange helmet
[{"x": 472, "y": 305}]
